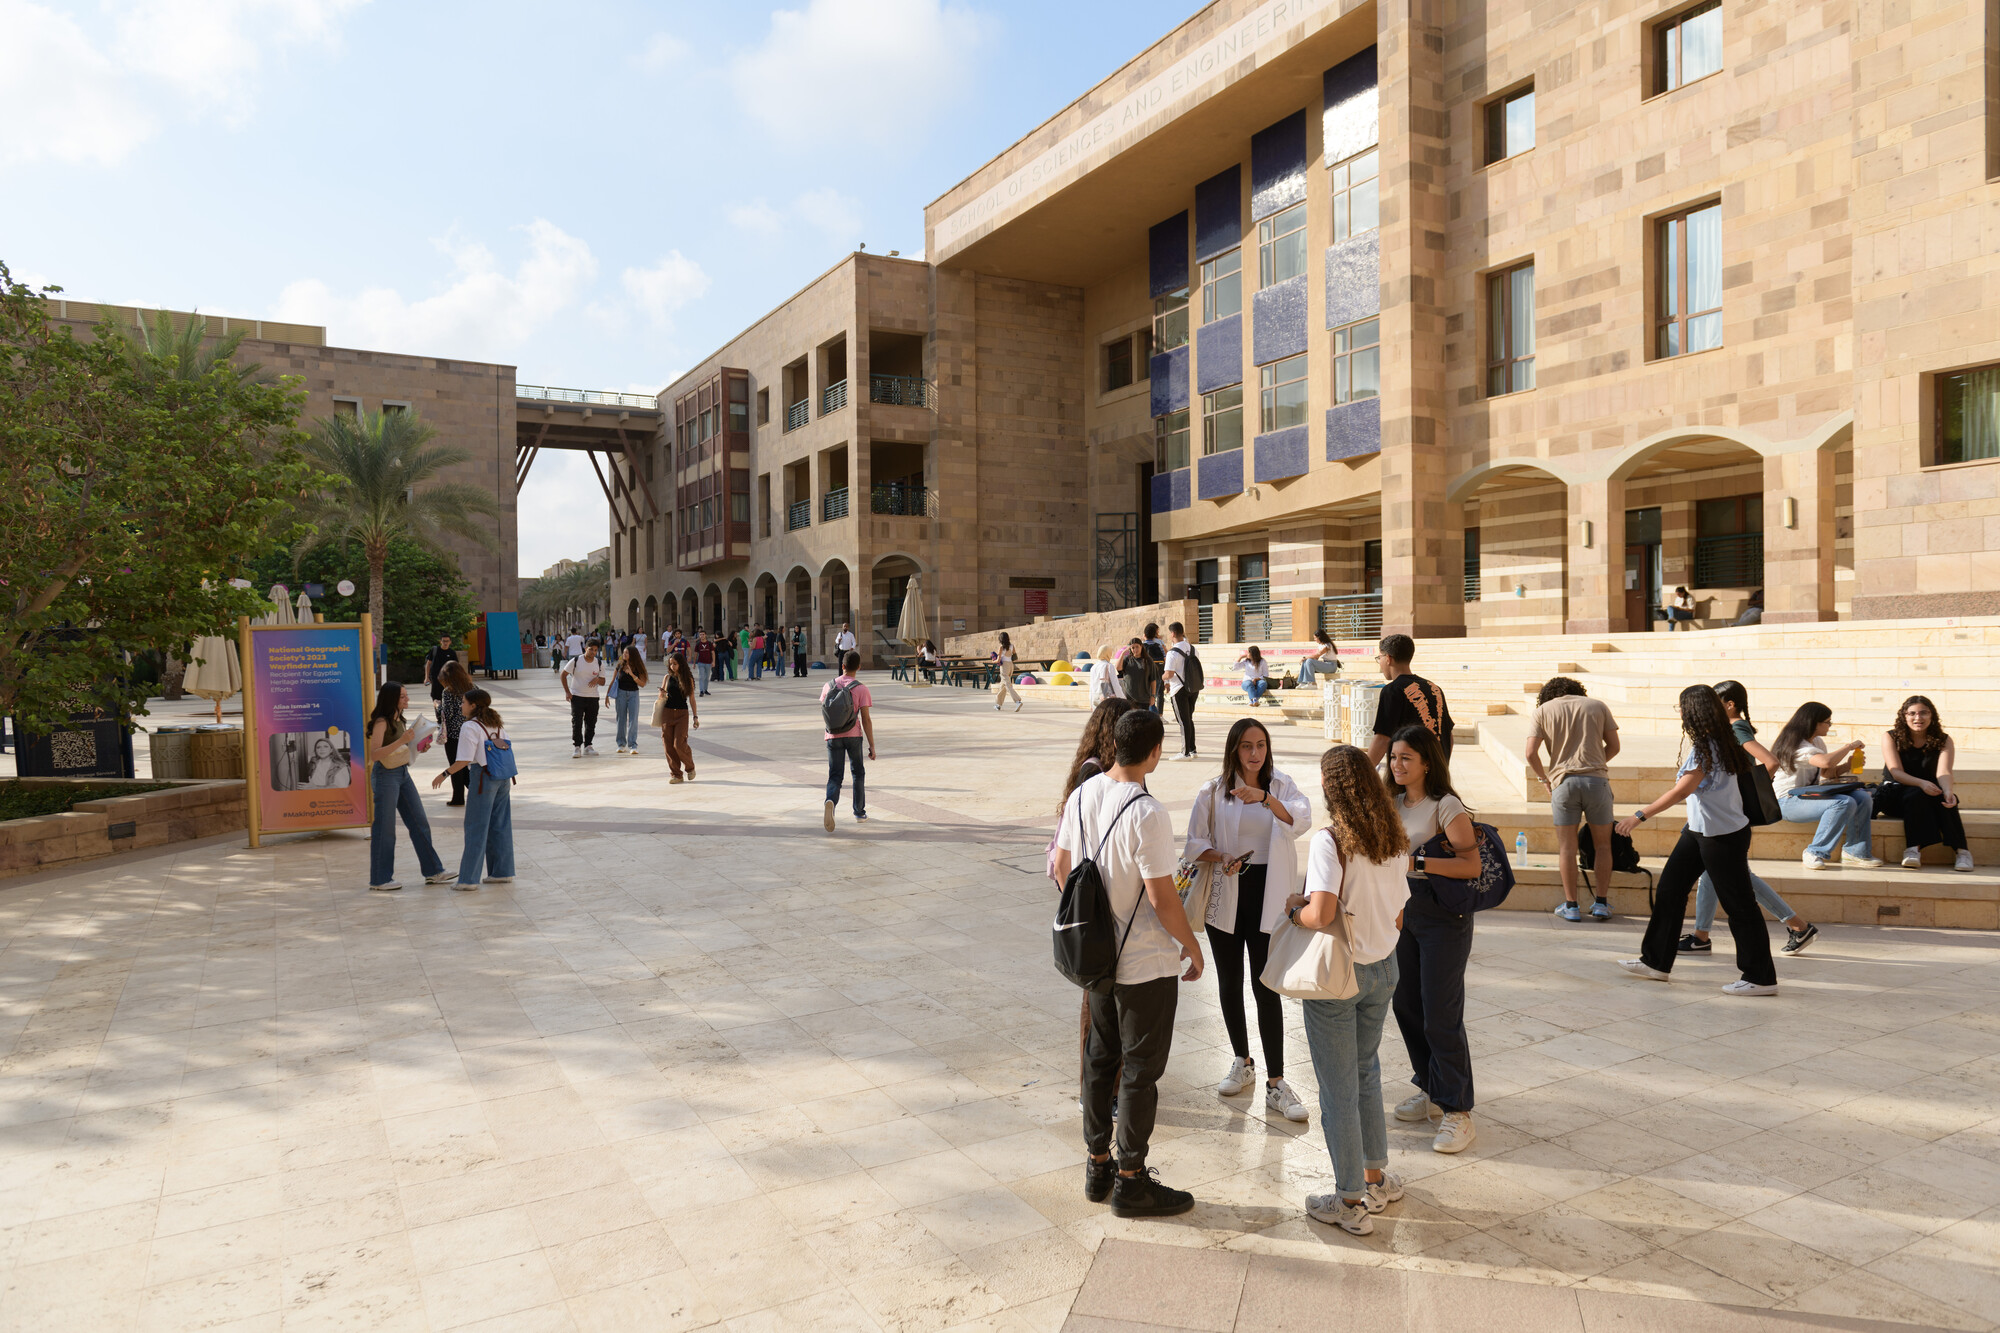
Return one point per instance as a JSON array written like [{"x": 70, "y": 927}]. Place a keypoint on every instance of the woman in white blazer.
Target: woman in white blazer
[{"x": 1244, "y": 824}]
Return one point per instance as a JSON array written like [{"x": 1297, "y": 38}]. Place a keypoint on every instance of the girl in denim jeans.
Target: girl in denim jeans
[{"x": 389, "y": 771}]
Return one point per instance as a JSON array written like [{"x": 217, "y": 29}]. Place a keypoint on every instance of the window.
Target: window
[
  {"x": 1690, "y": 288},
  {"x": 393, "y": 409},
  {"x": 349, "y": 408},
  {"x": 1968, "y": 415},
  {"x": 1510, "y": 347},
  {"x": 739, "y": 403},
  {"x": 1170, "y": 441},
  {"x": 1357, "y": 195},
  {"x": 1222, "y": 420},
  {"x": 1472, "y": 564},
  {"x": 1357, "y": 361},
  {"x": 1687, "y": 47},
  {"x": 1170, "y": 321},
  {"x": 1371, "y": 566},
  {"x": 1729, "y": 542},
  {"x": 1222, "y": 287},
  {"x": 1510, "y": 124},
  {"x": 739, "y": 506},
  {"x": 1281, "y": 246},
  {"x": 763, "y": 407},
  {"x": 1125, "y": 360},
  {"x": 1284, "y": 388}
]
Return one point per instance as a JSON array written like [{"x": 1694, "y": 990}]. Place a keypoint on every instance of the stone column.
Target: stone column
[
  {"x": 1798, "y": 537},
  {"x": 1594, "y": 547}
]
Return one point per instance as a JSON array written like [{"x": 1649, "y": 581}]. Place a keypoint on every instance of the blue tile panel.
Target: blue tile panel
[
  {"x": 1354, "y": 430},
  {"x": 1349, "y": 122},
  {"x": 1170, "y": 491},
  {"x": 1278, "y": 321},
  {"x": 1281, "y": 454},
  {"x": 1170, "y": 381},
  {"x": 1354, "y": 279},
  {"x": 1167, "y": 252},
  {"x": 1218, "y": 360},
  {"x": 1221, "y": 475},
  {"x": 1183, "y": 486},
  {"x": 1278, "y": 166},
  {"x": 1218, "y": 213}
]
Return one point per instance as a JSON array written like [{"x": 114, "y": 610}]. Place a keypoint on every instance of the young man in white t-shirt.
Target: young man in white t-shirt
[
  {"x": 583, "y": 680},
  {"x": 1177, "y": 676},
  {"x": 1132, "y": 1028}
]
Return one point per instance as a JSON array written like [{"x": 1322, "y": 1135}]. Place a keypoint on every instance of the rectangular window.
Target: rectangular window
[
  {"x": 1472, "y": 564},
  {"x": 1371, "y": 566},
  {"x": 1281, "y": 246},
  {"x": 1357, "y": 361},
  {"x": 1284, "y": 389},
  {"x": 739, "y": 506},
  {"x": 1687, "y": 47},
  {"x": 1689, "y": 295},
  {"x": 1510, "y": 124},
  {"x": 1357, "y": 201},
  {"x": 1510, "y": 348},
  {"x": 1124, "y": 361},
  {"x": 1170, "y": 321},
  {"x": 1222, "y": 420},
  {"x": 1170, "y": 441},
  {"x": 1222, "y": 287},
  {"x": 1968, "y": 415},
  {"x": 349, "y": 408},
  {"x": 763, "y": 407}
]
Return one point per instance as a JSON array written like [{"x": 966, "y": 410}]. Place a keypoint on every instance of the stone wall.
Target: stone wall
[
  {"x": 187, "y": 811},
  {"x": 1047, "y": 638}
]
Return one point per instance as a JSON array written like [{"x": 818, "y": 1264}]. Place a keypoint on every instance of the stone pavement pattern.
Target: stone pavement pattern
[{"x": 703, "y": 1065}]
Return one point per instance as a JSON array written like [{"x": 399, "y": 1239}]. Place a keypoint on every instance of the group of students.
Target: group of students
[{"x": 481, "y": 769}]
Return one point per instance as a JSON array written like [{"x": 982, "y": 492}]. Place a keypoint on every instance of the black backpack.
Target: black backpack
[
  {"x": 1624, "y": 859},
  {"x": 1086, "y": 952},
  {"x": 1191, "y": 671},
  {"x": 838, "y": 707}
]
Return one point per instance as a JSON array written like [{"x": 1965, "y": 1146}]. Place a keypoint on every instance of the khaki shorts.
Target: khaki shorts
[{"x": 1581, "y": 797}]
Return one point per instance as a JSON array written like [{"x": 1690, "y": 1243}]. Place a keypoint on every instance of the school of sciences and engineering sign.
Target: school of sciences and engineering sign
[{"x": 1247, "y": 37}]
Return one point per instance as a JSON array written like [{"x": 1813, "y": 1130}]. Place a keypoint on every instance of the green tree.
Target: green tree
[
  {"x": 576, "y": 592},
  {"x": 183, "y": 350},
  {"x": 131, "y": 497},
  {"x": 424, "y": 594},
  {"x": 385, "y": 487}
]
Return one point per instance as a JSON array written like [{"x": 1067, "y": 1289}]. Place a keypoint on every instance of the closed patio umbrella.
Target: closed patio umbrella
[
  {"x": 215, "y": 671},
  {"x": 303, "y": 612},
  {"x": 910, "y": 626}
]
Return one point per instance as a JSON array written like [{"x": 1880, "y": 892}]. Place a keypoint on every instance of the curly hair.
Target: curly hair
[
  {"x": 1098, "y": 742},
  {"x": 1706, "y": 727},
  {"x": 1934, "y": 735},
  {"x": 1363, "y": 822},
  {"x": 1559, "y": 687}
]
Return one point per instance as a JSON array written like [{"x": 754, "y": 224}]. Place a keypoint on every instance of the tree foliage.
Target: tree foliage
[
  {"x": 574, "y": 594},
  {"x": 133, "y": 493},
  {"x": 424, "y": 593}
]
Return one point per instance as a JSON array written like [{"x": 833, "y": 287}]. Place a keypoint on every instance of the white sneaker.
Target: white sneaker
[
  {"x": 1638, "y": 967},
  {"x": 499, "y": 879},
  {"x": 826, "y": 817},
  {"x": 1963, "y": 861},
  {"x": 1241, "y": 1074},
  {"x": 577, "y": 753},
  {"x": 1413, "y": 1108},
  {"x": 1185, "y": 758},
  {"x": 1912, "y": 857},
  {"x": 384, "y": 888},
  {"x": 1456, "y": 1134},
  {"x": 1860, "y": 862},
  {"x": 1742, "y": 987},
  {"x": 1279, "y": 1097},
  {"x": 1383, "y": 1192},
  {"x": 1813, "y": 861},
  {"x": 1350, "y": 1215},
  {"x": 590, "y": 750}
]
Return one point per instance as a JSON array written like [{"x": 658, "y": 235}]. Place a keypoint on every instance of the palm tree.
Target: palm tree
[
  {"x": 385, "y": 468},
  {"x": 182, "y": 352}
]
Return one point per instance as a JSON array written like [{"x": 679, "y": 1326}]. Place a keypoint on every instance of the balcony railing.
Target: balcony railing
[
  {"x": 1729, "y": 562},
  {"x": 1356, "y": 617},
  {"x": 900, "y": 390},
  {"x": 1472, "y": 586},
  {"x": 1263, "y": 621},
  {"x": 833, "y": 506},
  {"x": 833, "y": 397},
  {"x": 1204, "y": 625},
  {"x": 895, "y": 497},
  {"x": 798, "y": 414},
  {"x": 595, "y": 397},
  {"x": 798, "y": 515}
]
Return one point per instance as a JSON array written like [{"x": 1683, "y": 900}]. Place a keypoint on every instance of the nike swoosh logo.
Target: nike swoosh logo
[{"x": 1074, "y": 925}]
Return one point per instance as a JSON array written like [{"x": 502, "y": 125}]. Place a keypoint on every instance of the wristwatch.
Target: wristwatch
[
  {"x": 1292, "y": 915},
  {"x": 1418, "y": 862},
  {"x": 1639, "y": 815}
]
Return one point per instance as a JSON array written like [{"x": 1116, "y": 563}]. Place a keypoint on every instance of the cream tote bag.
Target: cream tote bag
[{"x": 1314, "y": 964}]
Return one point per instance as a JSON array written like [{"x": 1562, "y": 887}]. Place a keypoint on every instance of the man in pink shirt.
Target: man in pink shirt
[{"x": 843, "y": 704}]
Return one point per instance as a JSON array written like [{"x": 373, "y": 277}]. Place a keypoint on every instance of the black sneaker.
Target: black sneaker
[
  {"x": 1098, "y": 1177},
  {"x": 1694, "y": 944},
  {"x": 1144, "y": 1196},
  {"x": 1797, "y": 940}
]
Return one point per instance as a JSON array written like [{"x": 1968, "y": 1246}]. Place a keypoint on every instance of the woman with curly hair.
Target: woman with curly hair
[
  {"x": 1357, "y": 866},
  {"x": 1917, "y": 758}
]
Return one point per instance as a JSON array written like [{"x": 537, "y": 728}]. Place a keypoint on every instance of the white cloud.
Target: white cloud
[
  {"x": 662, "y": 52},
  {"x": 210, "y": 50},
  {"x": 757, "y": 216},
  {"x": 485, "y": 313},
  {"x": 857, "y": 68},
  {"x": 665, "y": 287},
  {"x": 60, "y": 97}
]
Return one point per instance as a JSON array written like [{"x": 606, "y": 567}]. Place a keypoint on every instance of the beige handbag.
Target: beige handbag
[
  {"x": 1314, "y": 964},
  {"x": 1196, "y": 881},
  {"x": 659, "y": 710}
]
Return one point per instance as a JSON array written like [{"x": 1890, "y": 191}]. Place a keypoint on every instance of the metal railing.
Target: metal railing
[
  {"x": 1204, "y": 624},
  {"x": 833, "y": 506},
  {"x": 1472, "y": 587},
  {"x": 798, "y": 414},
  {"x": 597, "y": 397},
  {"x": 1355, "y": 617},
  {"x": 900, "y": 498},
  {"x": 833, "y": 397},
  {"x": 899, "y": 390},
  {"x": 799, "y": 514},
  {"x": 1265, "y": 620},
  {"x": 1729, "y": 562}
]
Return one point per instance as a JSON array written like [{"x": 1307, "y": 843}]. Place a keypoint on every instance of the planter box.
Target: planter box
[{"x": 182, "y": 812}]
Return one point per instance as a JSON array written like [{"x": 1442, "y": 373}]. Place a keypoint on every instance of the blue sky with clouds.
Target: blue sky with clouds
[{"x": 598, "y": 193}]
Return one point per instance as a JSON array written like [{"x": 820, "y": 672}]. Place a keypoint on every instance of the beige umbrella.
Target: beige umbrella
[
  {"x": 910, "y": 627},
  {"x": 303, "y": 612},
  {"x": 215, "y": 670},
  {"x": 281, "y": 607}
]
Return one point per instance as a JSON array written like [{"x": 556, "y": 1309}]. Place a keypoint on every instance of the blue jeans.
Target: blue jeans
[
  {"x": 489, "y": 827},
  {"x": 1312, "y": 668},
  {"x": 1842, "y": 820},
  {"x": 701, "y": 673},
  {"x": 396, "y": 793},
  {"x": 1255, "y": 689},
  {"x": 1345, "y": 1038},
  {"x": 756, "y": 664},
  {"x": 846, "y": 750},
  {"x": 1705, "y": 902},
  {"x": 628, "y": 720}
]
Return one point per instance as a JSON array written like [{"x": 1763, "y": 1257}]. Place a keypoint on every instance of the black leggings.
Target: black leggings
[
  {"x": 1726, "y": 861},
  {"x": 1228, "y": 949}
]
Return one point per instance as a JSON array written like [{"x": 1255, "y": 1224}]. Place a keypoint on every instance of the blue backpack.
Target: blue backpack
[{"x": 499, "y": 759}]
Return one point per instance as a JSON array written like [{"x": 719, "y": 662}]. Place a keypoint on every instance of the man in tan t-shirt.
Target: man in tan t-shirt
[{"x": 1582, "y": 738}]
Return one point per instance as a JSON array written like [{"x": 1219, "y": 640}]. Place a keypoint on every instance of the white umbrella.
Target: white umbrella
[
  {"x": 910, "y": 627},
  {"x": 281, "y": 607},
  {"x": 304, "y": 610},
  {"x": 215, "y": 671}
]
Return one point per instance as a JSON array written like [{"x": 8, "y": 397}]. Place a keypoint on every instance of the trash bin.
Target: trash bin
[
  {"x": 171, "y": 749},
  {"x": 217, "y": 753},
  {"x": 1363, "y": 696}
]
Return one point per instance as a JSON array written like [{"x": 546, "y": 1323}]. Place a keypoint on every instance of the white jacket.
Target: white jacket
[
  {"x": 1103, "y": 683},
  {"x": 1213, "y": 813}
]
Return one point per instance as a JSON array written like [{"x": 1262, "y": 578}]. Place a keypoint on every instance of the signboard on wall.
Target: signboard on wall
[
  {"x": 306, "y": 700},
  {"x": 1035, "y": 601}
]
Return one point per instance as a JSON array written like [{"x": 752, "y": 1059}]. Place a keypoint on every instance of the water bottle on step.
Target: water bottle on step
[{"x": 1521, "y": 848}]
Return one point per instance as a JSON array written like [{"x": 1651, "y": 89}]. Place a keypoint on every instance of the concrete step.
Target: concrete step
[{"x": 1887, "y": 897}]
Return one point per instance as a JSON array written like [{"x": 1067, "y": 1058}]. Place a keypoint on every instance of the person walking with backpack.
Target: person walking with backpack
[
  {"x": 1182, "y": 680},
  {"x": 1120, "y": 840},
  {"x": 488, "y": 756},
  {"x": 1582, "y": 737},
  {"x": 1435, "y": 943},
  {"x": 582, "y": 678},
  {"x": 1156, "y": 667},
  {"x": 1408, "y": 698},
  {"x": 678, "y": 712},
  {"x": 844, "y": 705},
  {"x": 1096, "y": 752}
]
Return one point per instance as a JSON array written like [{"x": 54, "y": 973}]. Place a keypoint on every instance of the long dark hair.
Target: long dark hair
[
  {"x": 634, "y": 664},
  {"x": 1732, "y": 692},
  {"x": 677, "y": 667},
  {"x": 481, "y": 710},
  {"x": 1797, "y": 732},
  {"x": 1098, "y": 743},
  {"x": 1707, "y": 728},
  {"x": 388, "y": 707},
  {"x": 1363, "y": 822},
  {"x": 1933, "y": 737},
  {"x": 1230, "y": 769},
  {"x": 1430, "y": 753},
  {"x": 1253, "y": 654},
  {"x": 455, "y": 678}
]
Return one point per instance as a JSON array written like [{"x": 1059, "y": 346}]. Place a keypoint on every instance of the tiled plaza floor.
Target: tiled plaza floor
[{"x": 705, "y": 1065}]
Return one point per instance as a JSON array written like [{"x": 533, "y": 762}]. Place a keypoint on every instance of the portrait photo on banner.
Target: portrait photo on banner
[{"x": 304, "y": 760}]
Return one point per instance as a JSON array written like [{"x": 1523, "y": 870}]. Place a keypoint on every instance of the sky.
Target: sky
[{"x": 598, "y": 193}]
